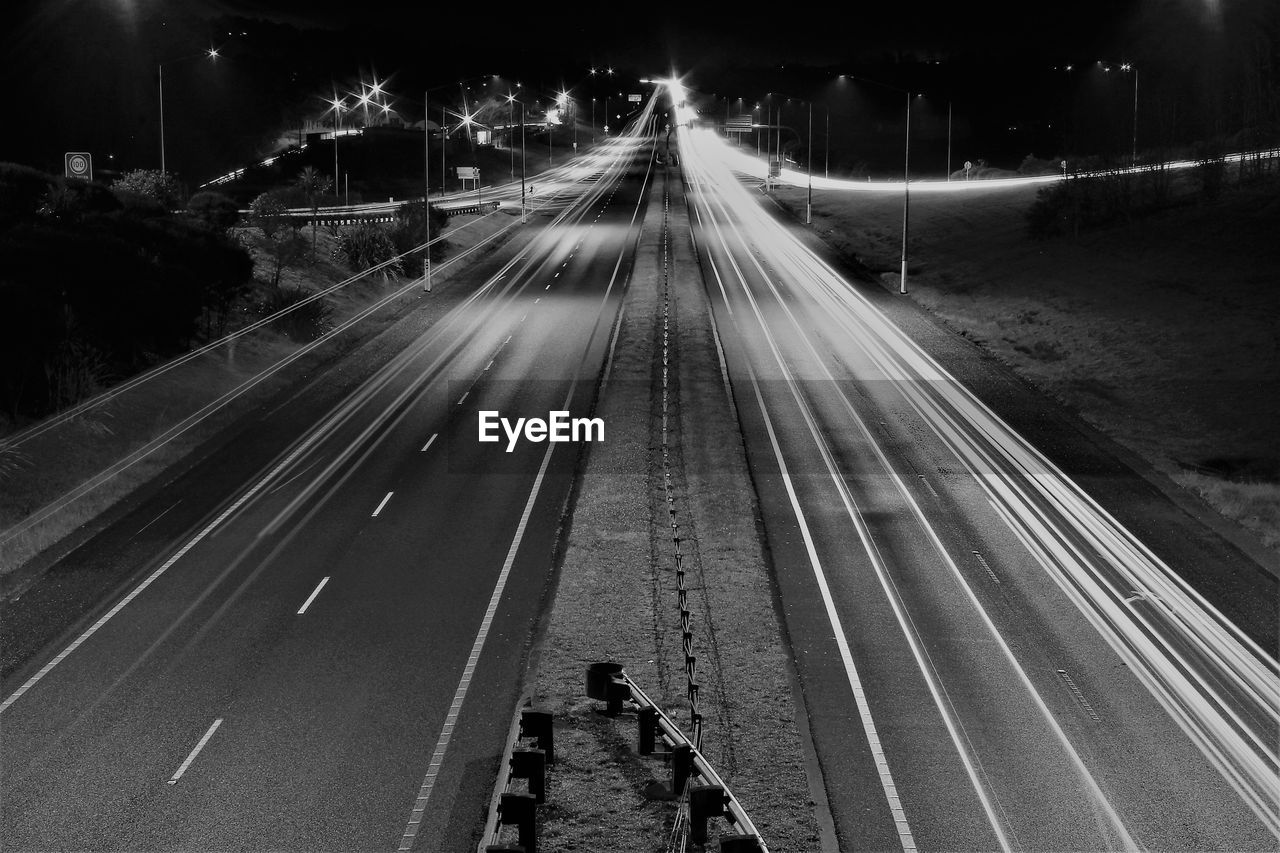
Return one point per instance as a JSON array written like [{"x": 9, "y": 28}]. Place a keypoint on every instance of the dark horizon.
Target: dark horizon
[{"x": 93, "y": 69}]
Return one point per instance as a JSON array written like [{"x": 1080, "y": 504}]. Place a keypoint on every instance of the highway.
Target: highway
[
  {"x": 990, "y": 659},
  {"x": 314, "y": 637},
  {"x": 320, "y": 630}
]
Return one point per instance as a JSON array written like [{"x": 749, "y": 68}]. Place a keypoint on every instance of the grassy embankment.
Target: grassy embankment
[
  {"x": 40, "y": 474},
  {"x": 1164, "y": 332}
]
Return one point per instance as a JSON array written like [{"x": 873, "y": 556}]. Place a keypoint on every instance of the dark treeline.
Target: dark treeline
[{"x": 98, "y": 283}]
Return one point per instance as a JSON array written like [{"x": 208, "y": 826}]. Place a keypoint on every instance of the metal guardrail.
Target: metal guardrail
[
  {"x": 708, "y": 798},
  {"x": 515, "y": 807}
]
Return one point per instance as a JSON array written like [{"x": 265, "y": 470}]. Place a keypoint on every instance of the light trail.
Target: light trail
[
  {"x": 740, "y": 161},
  {"x": 1218, "y": 686}
]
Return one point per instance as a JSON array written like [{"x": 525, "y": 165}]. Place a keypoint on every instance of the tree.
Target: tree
[
  {"x": 415, "y": 224},
  {"x": 214, "y": 209},
  {"x": 270, "y": 215},
  {"x": 314, "y": 186},
  {"x": 152, "y": 183}
]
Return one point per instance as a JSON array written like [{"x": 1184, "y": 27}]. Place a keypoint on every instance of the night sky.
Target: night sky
[{"x": 86, "y": 70}]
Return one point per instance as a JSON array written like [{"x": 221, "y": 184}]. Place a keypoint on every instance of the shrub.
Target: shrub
[
  {"x": 1032, "y": 165},
  {"x": 72, "y": 199},
  {"x": 22, "y": 190},
  {"x": 367, "y": 245},
  {"x": 219, "y": 212},
  {"x": 139, "y": 205},
  {"x": 415, "y": 224},
  {"x": 268, "y": 213},
  {"x": 154, "y": 184},
  {"x": 302, "y": 324}
]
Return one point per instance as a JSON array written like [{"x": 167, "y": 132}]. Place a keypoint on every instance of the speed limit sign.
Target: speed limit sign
[{"x": 79, "y": 164}]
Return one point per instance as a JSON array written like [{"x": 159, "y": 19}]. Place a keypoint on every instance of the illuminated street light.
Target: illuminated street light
[
  {"x": 808, "y": 208},
  {"x": 210, "y": 53},
  {"x": 511, "y": 99},
  {"x": 337, "y": 105}
]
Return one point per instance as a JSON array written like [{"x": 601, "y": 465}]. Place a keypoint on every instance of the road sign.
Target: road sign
[
  {"x": 469, "y": 173},
  {"x": 739, "y": 124},
  {"x": 635, "y": 99},
  {"x": 775, "y": 168},
  {"x": 79, "y": 164}
]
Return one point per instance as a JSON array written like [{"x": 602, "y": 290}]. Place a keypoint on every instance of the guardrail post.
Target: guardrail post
[
  {"x": 648, "y": 730},
  {"x": 740, "y": 844},
  {"x": 705, "y": 801},
  {"x": 537, "y": 724},
  {"x": 531, "y": 764},
  {"x": 518, "y": 810},
  {"x": 681, "y": 765},
  {"x": 603, "y": 683}
]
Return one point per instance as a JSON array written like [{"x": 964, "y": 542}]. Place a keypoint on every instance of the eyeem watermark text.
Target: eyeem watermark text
[{"x": 558, "y": 426}]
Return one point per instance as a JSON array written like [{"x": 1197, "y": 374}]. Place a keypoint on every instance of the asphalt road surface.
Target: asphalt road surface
[
  {"x": 319, "y": 631},
  {"x": 991, "y": 660}
]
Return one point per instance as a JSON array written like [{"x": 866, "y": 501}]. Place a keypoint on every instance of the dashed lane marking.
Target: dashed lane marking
[
  {"x": 173, "y": 780},
  {"x": 314, "y": 593}
]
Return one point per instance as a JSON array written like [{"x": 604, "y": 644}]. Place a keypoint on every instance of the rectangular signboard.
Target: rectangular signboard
[
  {"x": 469, "y": 173},
  {"x": 633, "y": 98},
  {"x": 79, "y": 164}
]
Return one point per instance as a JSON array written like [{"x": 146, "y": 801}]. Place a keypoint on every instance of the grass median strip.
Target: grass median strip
[{"x": 617, "y": 592}]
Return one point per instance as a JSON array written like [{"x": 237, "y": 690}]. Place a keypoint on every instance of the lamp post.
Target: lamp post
[
  {"x": 1129, "y": 66},
  {"x": 336, "y": 105},
  {"x": 906, "y": 196},
  {"x": 808, "y": 208},
  {"x": 511, "y": 99},
  {"x": 211, "y": 53},
  {"x": 906, "y": 172}
]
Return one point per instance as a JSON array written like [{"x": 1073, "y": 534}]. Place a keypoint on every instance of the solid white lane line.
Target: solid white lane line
[
  {"x": 192, "y": 757},
  {"x": 473, "y": 659},
  {"x": 381, "y": 505},
  {"x": 905, "y": 838},
  {"x": 429, "y": 440},
  {"x": 315, "y": 592}
]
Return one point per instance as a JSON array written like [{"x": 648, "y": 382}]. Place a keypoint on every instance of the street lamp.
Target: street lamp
[
  {"x": 1128, "y": 66},
  {"x": 906, "y": 173},
  {"x": 211, "y": 53},
  {"x": 336, "y": 105},
  {"x": 808, "y": 208},
  {"x": 511, "y": 99}
]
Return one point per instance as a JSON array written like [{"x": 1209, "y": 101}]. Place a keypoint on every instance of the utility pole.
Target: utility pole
[
  {"x": 948, "y": 140},
  {"x": 808, "y": 208},
  {"x": 426, "y": 181},
  {"x": 906, "y": 196}
]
